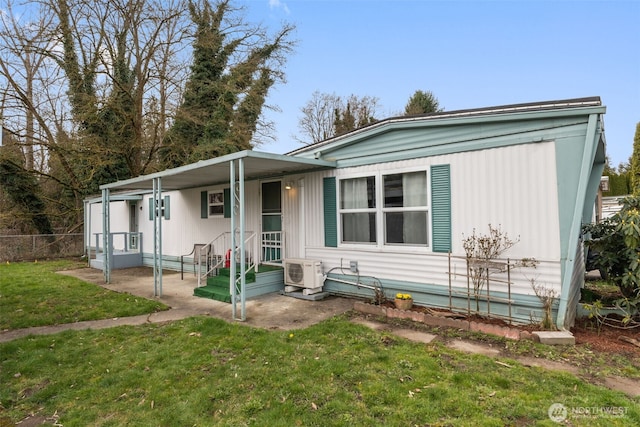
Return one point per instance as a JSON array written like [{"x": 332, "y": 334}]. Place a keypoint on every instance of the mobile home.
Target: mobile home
[{"x": 383, "y": 209}]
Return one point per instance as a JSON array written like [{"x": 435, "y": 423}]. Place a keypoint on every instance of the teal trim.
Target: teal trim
[
  {"x": 330, "y": 212},
  {"x": 445, "y": 129},
  {"x": 227, "y": 202},
  {"x": 204, "y": 204},
  {"x": 166, "y": 209},
  {"x": 583, "y": 156},
  {"x": 441, "y": 208},
  {"x": 151, "y": 210},
  {"x": 413, "y": 142},
  {"x": 524, "y": 308}
]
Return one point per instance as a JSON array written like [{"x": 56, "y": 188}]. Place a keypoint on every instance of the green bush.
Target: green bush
[{"x": 617, "y": 240}]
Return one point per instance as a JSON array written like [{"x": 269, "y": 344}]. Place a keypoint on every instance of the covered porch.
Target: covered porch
[{"x": 251, "y": 248}]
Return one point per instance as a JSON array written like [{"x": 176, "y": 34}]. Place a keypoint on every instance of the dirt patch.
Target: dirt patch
[
  {"x": 606, "y": 338},
  {"x": 475, "y": 348}
]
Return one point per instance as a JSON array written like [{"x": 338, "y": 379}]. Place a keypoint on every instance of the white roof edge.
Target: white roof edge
[{"x": 219, "y": 160}]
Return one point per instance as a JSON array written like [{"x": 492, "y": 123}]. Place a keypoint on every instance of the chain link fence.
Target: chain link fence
[{"x": 27, "y": 247}]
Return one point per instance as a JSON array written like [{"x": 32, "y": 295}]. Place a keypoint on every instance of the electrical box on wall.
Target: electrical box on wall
[{"x": 353, "y": 266}]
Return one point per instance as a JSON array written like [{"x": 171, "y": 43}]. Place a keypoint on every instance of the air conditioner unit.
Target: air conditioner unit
[{"x": 303, "y": 273}]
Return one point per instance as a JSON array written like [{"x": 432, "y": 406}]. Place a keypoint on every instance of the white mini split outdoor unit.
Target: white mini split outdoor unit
[{"x": 303, "y": 273}]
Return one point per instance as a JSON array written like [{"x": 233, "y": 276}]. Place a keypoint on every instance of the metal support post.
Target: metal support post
[
  {"x": 106, "y": 232},
  {"x": 232, "y": 265},
  {"x": 157, "y": 237},
  {"x": 243, "y": 261}
]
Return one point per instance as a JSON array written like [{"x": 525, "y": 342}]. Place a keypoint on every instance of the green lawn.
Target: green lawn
[
  {"x": 33, "y": 294},
  {"x": 204, "y": 371}
]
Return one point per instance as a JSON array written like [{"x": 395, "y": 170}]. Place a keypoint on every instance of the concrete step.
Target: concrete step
[{"x": 555, "y": 337}]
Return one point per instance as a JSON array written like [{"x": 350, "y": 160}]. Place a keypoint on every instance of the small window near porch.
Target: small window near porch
[
  {"x": 216, "y": 203},
  {"x": 358, "y": 209}
]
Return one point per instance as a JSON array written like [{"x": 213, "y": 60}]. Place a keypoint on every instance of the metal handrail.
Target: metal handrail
[
  {"x": 209, "y": 250},
  {"x": 272, "y": 243},
  {"x": 131, "y": 242},
  {"x": 215, "y": 260},
  {"x": 251, "y": 264}
]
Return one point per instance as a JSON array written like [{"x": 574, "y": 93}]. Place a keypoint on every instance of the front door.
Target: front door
[
  {"x": 271, "y": 221},
  {"x": 133, "y": 225}
]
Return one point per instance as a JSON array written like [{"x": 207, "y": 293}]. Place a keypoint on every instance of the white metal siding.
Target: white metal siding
[
  {"x": 186, "y": 227},
  {"x": 432, "y": 268},
  {"x": 291, "y": 216},
  {"x": 511, "y": 187},
  {"x": 119, "y": 214},
  {"x": 314, "y": 209}
]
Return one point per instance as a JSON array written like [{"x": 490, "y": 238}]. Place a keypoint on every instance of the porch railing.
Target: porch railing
[
  {"x": 218, "y": 254},
  {"x": 252, "y": 264},
  {"x": 268, "y": 250},
  {"x": 272, "y": 248},
  {"x": 119, "y": 242}
]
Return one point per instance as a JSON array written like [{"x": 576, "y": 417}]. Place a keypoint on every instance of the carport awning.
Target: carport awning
[{"x": 257, "y": 164}]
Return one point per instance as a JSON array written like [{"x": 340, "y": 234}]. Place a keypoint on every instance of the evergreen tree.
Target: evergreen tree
[
  {"x": 422, "y": 103},
  {"x": 635, "y": 163},
  {"x": 224, "y": 96}
]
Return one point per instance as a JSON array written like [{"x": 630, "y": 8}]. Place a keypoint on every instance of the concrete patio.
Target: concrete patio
[{"x": 271, "y": 311}]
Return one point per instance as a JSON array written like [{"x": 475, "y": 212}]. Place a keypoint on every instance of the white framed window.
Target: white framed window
[
  {"x": 405, "y": 209},
  {"x": 215, "y": 203},
  {"x": 358, "y": 210},
  {"x": 385, "y": 209}
]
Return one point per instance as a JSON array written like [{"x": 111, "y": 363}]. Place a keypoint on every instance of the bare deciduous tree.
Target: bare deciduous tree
[
  {"x": 90, "y": 88},
  {"x": 328, "y": 115}
]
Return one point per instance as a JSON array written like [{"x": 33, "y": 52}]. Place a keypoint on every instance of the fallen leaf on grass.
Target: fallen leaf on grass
[{"x": 314, "y": 406}]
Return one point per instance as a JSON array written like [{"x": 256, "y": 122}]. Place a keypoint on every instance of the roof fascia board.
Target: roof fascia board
[
  {"x": 318, "y": 163},
  {"x": 274, "y": 175},
  {"x": 119, "y": 197},
  {"x": 175, "y": 171},
  {"x": 475, "y": 142},
  {"x": 312, "y": 163},
  {"x": 320, "y": 149}
]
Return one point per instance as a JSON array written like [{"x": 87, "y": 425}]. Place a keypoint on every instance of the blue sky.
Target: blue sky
[{"x": 470, "y": 54}]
